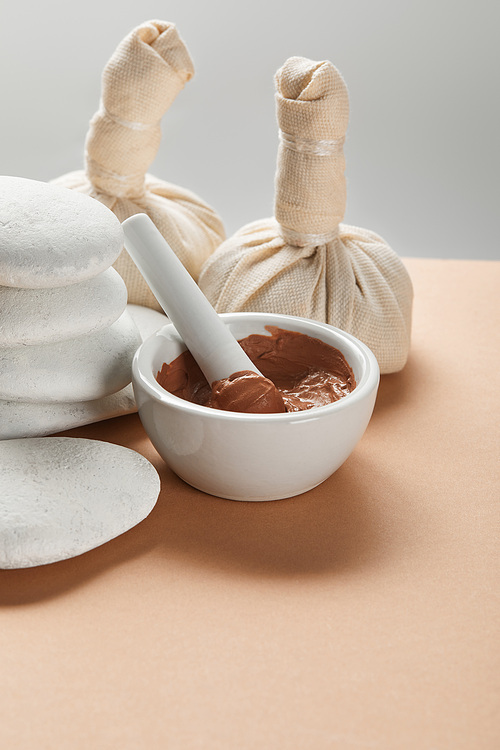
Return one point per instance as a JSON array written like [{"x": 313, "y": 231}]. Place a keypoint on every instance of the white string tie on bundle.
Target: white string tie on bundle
[
  {"x": 302, "y": 239},
  {"x": 309, "y": 146},
  {"x": 103, "y": 112}
]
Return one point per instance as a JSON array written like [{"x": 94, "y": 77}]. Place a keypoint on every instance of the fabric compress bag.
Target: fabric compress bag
[
  {"x": 139, "y": 83},
  {"x": 304, "y": 261}
]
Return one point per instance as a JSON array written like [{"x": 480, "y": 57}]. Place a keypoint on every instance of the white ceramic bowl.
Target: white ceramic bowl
[{"x": 254, "y": 456}]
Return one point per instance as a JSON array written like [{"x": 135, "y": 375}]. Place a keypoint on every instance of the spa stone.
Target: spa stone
[
  {"x": 38, "y": 316},
  {"x": 84, "y": 368},
  {"x": 147, "y": 320},
  {"x": 33, "y": 419},
  {"x": 64, "y": 496},
  {"x": 52, "y": 236}
]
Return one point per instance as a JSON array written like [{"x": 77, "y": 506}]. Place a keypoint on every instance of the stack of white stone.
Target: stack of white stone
[{"x": 66, "y": 337}]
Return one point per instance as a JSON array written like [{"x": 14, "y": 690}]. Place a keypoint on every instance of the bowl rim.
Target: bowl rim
[{"x": 369, "y": 381}]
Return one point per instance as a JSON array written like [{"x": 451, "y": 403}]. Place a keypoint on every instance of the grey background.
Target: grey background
[{"x": 422, "y": 149}]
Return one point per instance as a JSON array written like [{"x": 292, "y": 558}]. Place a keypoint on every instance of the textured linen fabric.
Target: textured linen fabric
[
  {"x": 141, "y": 80},
  {"x": 304, "y": 261}
]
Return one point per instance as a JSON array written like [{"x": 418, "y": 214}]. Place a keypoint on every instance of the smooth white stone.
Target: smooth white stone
[
  {"x": 52, "y": 236},
  {"x": 147, "y": 320},
  {"x": 30, "y": 419},
  {"x": 80, "y": 369},
  {"x": 26, "y": 419},
  {"x": 64, "y": 496},
  {"x": 38, "y": 316}
]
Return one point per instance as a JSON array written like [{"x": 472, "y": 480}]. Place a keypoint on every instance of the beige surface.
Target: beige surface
[{"x": 363, "y": 614}]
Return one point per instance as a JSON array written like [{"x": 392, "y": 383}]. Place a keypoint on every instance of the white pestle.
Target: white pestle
[{"x": 206, "y": 336}]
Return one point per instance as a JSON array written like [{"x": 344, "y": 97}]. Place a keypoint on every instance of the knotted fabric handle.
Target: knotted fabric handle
[
  {"x": 312, "y": 108},
  {"x": 139, "y": 83}
]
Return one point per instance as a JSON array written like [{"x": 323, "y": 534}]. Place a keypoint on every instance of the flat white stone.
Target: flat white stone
[
  {"x": 52, "y": 236},
  {"x": 147, "y": 320},
  {"x": 26, "y": 419},
  {"x": 30, "y": 419},
  {"x": 63, "y": 496},
  {"x": 81, "y": 369},
  {"x": 39, "y": 316}
]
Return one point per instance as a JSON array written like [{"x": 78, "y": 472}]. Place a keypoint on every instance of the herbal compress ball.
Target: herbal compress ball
[
  {"x": 139, "y": 83},
  {"x": 304, "y": 261}
]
